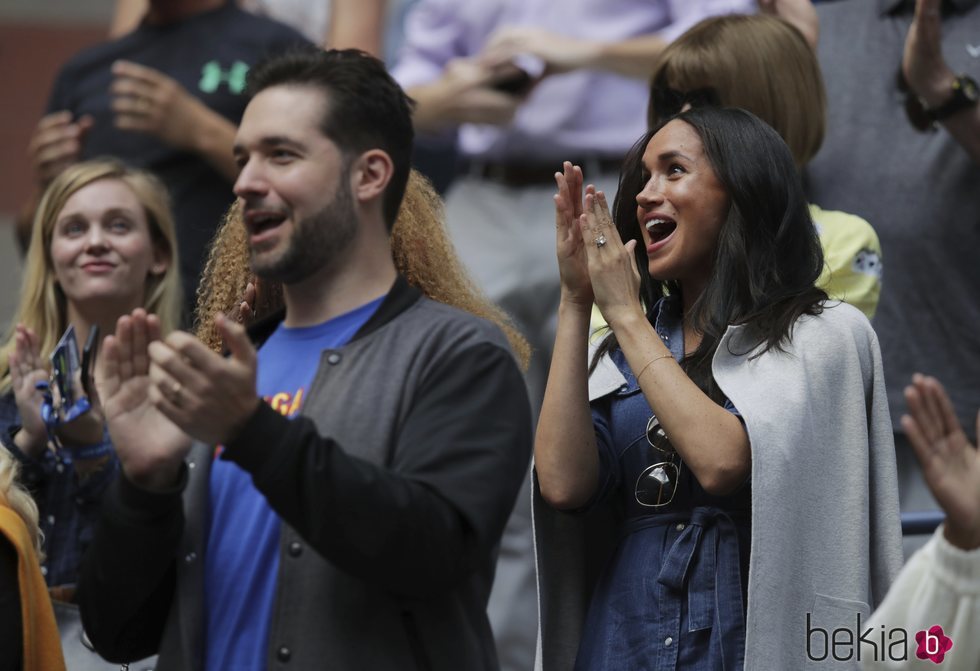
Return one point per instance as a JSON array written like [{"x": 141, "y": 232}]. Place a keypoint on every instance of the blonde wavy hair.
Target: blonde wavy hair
[
  {"x": 423, "y": 254},
  {"x": 43, "y": 307},
  {"x": 18, "y": 499}
]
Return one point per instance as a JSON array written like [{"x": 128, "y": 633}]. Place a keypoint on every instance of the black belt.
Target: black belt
[{"x": 529, "y": 173}]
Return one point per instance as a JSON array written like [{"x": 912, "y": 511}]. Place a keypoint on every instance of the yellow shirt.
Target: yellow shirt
[{"x": 852, "y": 259}]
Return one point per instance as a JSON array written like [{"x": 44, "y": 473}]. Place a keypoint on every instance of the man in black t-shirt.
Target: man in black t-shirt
[{"x": 166, "y": 97}]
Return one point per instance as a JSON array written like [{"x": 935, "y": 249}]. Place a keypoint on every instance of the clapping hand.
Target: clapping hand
[
  {"x": 149, "y": 445},
  {"x": 573, "y": 267},
  {"x": 950, "y": 464},
  {"x": 612, "y": 267},
  {"x": 26, "y": 370},
  {"x": 209, "y": 396}
]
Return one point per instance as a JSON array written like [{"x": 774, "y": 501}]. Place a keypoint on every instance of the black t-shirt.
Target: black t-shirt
[{"x": 209, "y": 54}]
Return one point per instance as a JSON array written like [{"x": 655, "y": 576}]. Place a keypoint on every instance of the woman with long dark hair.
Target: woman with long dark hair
[{"x": 730, "y": 413}]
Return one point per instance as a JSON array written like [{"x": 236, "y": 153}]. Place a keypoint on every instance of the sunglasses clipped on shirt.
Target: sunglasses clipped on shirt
[{"x": 657, "y": 484}]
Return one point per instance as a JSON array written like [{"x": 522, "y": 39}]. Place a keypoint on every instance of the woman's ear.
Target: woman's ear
[
  {"x": 371, "y": 174},
  {"x": 161, "y": 259}
]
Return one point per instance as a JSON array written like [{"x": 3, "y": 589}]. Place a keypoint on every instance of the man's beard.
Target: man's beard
[{"x": 318, "y": 242}]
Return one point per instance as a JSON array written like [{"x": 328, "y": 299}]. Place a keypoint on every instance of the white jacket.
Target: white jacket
[{"x": 940, "y": 585}]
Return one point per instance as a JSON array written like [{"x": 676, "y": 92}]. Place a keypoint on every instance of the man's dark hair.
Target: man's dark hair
[{"x": 366, "y": 108}]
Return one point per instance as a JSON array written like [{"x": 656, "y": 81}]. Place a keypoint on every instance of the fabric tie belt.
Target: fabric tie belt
[{"x": 705, "y": 557}]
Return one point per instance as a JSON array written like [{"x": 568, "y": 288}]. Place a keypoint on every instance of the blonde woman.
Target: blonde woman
[
  {"x": 28, "y": 636},
  {"x": 102, "y": 244}
]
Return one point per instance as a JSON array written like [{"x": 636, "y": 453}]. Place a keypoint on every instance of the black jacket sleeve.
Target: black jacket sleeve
[
  {"x": 128, "y": 574},
  {"x": 422, "y": 523}
]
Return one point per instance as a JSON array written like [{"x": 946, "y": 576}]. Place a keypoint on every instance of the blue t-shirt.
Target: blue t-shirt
[{"x": 242, "y": 558}]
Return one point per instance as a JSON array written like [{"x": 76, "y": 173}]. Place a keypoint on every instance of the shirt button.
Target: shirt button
[
  {"x": 60, "y": 468},
  {"x": 50, "y": 519},
  {"x": 668, "y": 641},
  {"x": 191, "y": 464},
  {"x": 333, "y": 359},
  {"x": 283, "y": 654},
  {"x": 44, "y": 570},
  {"x": 190, "y": 557},
  {"x": 680, "y": 527},
  {"x": 295, "y": 549}
]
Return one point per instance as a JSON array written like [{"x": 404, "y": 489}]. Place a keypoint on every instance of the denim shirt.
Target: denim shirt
[
  {"x": 68, "y": 504},
  {"x": 672, "y": 596}
]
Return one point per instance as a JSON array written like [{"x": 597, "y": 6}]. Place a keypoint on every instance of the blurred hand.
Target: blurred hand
[
  {"x": 145, "y": 100},
  {"x": 950, "y": 464},
  {"x": 560, "y": 53},
  {"x": 244, "y": 311},
  {"x": 463, "y": 94},
  {"x": 573, "y": 263},
  {"x": 209, "y": 396},
  {"x": 150, "y": 447},
  {"x": 26, "y": 370},
  {"x": 801, "y": 14},
  {"x": 923, "y": 66},
  {"x": 56, "y": 144}
]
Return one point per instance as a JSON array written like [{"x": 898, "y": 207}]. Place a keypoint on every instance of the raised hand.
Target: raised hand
[
  {"x": 572, "y": 260},
  {"x": 245, "y": 310},
  {"x": 801, "y": 14},
  {"x": 150, "y": 447},
  {"x": 560, "y": 53},
  {"x": 209, "y": 396},
  {"x": 26, "y": 370},
  {"x": 923, "y": 65},
  {"x": 463, "y": 94},
  {"x": 147, "y": 101},
  {"x": 56, "y": 143},
  {"x": 612, "y": 268},
  {"x": 950, "y": 464}
]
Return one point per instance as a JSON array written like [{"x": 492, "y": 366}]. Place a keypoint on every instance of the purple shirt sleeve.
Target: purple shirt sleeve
[{"x": 685, "y": 13}]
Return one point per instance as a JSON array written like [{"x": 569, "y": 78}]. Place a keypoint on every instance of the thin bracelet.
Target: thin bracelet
[{"x": 650, "y": 362}]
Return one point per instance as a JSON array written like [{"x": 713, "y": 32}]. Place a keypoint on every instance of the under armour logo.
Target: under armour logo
[
  {"x": 973, "y": 50},
  {"x": 212, "y": 76}
]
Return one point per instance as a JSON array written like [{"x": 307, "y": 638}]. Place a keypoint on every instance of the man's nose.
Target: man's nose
[{"x": 251, "y": 180}]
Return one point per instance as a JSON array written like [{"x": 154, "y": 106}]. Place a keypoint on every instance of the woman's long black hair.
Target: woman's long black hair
[{"x": 768, "y": 255}]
